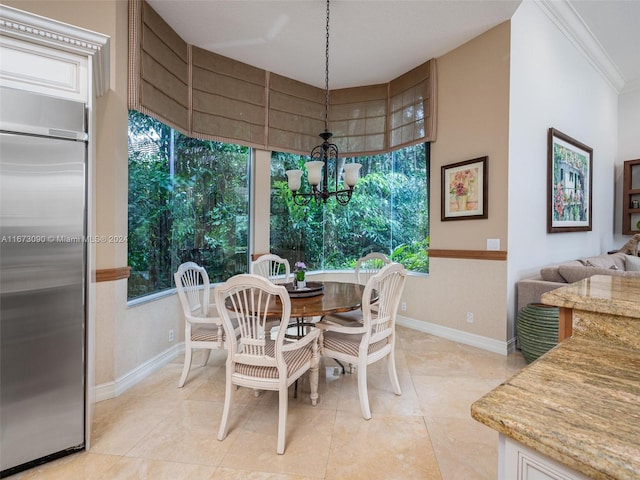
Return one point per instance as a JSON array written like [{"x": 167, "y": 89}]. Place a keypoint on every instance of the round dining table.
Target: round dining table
[{"x": 335, "y": 297}]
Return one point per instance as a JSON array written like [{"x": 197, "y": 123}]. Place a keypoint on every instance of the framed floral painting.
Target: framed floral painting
[
  {"x": 569, "y": 183},
  {"x": 464, "y": 190}
]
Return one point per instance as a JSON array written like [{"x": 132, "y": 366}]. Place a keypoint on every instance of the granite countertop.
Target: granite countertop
[
  {"x": 600, "y": 293},
  {"x": 578, "y": 404}
]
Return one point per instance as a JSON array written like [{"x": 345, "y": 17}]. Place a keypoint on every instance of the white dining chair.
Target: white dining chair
[
  {"x": 273, "y": 267},
  {"x": 256, "y": 360},
  {"x": 366, "y": 267},
  {"x": 374, "y": 339},
  {"x": 202, "y": 326}
]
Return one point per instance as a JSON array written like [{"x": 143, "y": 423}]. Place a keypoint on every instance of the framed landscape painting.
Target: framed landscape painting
[
  {"x": 464, "y": 190},
  {"x": 569, "y": 184}
]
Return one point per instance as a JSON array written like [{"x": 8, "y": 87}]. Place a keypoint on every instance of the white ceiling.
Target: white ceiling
[{"x": 374, "y": 41}]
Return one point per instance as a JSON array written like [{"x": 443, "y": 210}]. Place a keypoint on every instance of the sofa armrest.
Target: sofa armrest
[{"x": 529, "y": 290}]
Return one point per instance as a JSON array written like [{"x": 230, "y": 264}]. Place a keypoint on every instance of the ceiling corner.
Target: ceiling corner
[{"x": 571, "y": 24}]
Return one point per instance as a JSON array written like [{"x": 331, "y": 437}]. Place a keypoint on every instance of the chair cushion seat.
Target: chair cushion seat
[
  {"x": 345, "y": 318},
  {"x": 348, "y": 343},
  {"x": 294, "y": 360},
  {"x": 206, "y": 333}
]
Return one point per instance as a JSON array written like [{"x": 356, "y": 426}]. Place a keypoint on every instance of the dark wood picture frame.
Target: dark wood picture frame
[
  {"x": 465, "y": 194},
  {"x": 569, "y": 184}
]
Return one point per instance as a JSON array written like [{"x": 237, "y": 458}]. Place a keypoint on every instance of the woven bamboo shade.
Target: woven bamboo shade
[{"x": 206, "y": 95}]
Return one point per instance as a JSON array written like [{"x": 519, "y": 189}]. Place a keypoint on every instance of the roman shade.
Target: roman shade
[
  {"x": 158, "y": 68},
  {"x": 209, "y": 96},
  {"x": 228, "y": 99},
  {"x": 359, "y": 119},
  {"x": 296, "y": 115},
  {"x": 412, "y": 100}
]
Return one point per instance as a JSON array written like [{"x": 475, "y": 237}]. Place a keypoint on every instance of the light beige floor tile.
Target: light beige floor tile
[
  {"x": 156, "y": 430},
  {"x": 441, "y": 396},
  {"x": 493, "y": 365},
  {"x": 465, "y": 449},
  {"x": 121, "y": 422},
  {"x": 308, "y": 439},
  {"x": 409, "y": 340},
  {"x": 429, "y": 363},
  {"x": 234, "y": 474},
  {"x": 142, "y": 469},
  {"x": 187, "y": 435},
  {"x": 382, "y": 399},
  {"x": 384, "y": 447},
  {"x": 83, "y": 465}
]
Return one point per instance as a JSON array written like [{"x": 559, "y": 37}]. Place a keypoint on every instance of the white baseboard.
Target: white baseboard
[
  {"x": 109, "y": 390},
  {"x": 485, "y": 343}
]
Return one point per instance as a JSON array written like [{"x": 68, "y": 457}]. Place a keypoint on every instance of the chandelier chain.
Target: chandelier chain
[
  {"x": 326, "y": 77},
  {"x": 320, "y": 157}
]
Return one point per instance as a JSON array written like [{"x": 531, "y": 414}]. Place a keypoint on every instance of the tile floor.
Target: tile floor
[{"x": 156, "y": 431}]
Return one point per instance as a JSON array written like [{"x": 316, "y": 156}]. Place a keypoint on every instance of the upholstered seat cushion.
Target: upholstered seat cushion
[
  {"x": 348, "y": 343},
  {"x": 632, "y": 263},
  {"x": 294, "y": 360},
  {"x": 206, "y": 333},
  {"x": 353, "y": 317}
]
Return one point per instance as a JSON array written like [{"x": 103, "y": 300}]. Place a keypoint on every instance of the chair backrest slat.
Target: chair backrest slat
[
  {"x": 379, "y": 322},
  {"x": 273, "y": 267},
  {"x": 369, "y": 265},
  {"x": 248, "y": 298},
  {"x": 192, "y": 284}
]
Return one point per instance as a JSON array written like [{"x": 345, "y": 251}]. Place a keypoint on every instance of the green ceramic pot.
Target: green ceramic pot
[{"x": 537, "y": 330}]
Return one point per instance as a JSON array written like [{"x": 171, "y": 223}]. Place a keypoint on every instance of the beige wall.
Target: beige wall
[{"x": 473, "y": 121}]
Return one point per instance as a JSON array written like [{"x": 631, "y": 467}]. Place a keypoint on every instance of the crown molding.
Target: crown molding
[
  {"x": 570, "y": 23},
  {"x": 61, "y": 36},
  {"x": 631, "y": 87}
]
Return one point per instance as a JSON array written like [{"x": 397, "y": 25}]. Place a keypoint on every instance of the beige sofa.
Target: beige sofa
[{"x": 624, "y": 262}]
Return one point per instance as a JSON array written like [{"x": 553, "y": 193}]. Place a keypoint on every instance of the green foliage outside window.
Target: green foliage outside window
[
  {"x": 388, "y": 213},
  {"x": 188, "y": 201}
]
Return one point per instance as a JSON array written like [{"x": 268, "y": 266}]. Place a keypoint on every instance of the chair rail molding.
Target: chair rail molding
[{"x": 468, "y": 254}]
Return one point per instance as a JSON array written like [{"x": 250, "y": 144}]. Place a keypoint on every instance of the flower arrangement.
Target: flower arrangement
[
  {"x": 459, "y": 185},
  {"x": 300, "y": 268},
  {"x": 458, "y": 189}
]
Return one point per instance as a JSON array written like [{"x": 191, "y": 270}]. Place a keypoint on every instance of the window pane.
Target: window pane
[
  {"x": 188, "y": 201},
  {"x": 388, "y": 213}
]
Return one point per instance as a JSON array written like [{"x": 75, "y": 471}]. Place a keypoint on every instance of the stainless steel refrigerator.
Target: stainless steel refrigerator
[{"x": 43, "y": 151}]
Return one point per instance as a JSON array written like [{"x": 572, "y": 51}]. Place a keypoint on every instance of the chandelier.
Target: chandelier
[{"x": 321, "y": 155}]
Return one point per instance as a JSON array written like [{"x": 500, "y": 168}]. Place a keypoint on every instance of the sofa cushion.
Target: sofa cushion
[
  {"x": 575, "y": 274},
  {"x": 601, "y": 261},
  {"x": 551, "y": 274},
  {"x": 632, "y": 264}
]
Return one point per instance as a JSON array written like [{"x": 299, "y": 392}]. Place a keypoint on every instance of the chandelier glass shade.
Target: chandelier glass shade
[{"x": 321, "y": 155}]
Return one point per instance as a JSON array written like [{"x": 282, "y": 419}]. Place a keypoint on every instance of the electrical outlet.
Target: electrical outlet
[
  {"x": 171, "y": 336},
  {"x": 403, "y": 306},
  {"x": 469, "y": 317}
]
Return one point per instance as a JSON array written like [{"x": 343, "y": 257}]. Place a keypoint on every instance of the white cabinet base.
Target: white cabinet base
[{"x": 519, "y": 462}]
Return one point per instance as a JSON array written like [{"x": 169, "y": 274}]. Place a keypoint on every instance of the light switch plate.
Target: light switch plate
[{"x": 493, "y": 244}]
